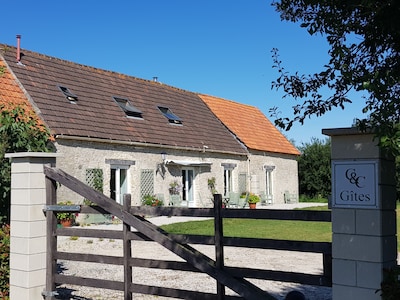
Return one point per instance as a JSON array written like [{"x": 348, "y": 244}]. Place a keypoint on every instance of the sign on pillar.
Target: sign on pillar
[{"x": 356, "y": 184}]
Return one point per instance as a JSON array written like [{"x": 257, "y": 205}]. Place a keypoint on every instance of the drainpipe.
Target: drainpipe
[{"x": 248, "y": 174}]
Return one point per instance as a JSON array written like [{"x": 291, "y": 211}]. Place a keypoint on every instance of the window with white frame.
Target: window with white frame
[
  {"x": 228, "y": 168},
  {"x": 269, "y": 183}
]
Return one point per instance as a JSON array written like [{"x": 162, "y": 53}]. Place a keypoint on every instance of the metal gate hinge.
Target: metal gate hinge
[
  {"x": 49, "y": 293},
  {"x": 62, "y": 208}
]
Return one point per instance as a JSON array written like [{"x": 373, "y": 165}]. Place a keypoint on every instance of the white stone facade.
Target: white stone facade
[{"x": 77, "y": 156}]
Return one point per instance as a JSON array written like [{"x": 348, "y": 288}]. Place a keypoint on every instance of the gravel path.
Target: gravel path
[{"x": 260, "y": 258}]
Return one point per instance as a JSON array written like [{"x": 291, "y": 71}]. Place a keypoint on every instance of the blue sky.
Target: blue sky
[{"x": 216, "y": 47}]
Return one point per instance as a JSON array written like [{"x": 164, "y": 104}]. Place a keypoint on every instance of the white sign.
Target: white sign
[{"x": 355, "y": 184}]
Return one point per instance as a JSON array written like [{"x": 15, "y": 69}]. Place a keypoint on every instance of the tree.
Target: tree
[
  {"x": 19, "y": 132},
  {"x": 315, "y": 168},
  {"x": 364, "y": 40}
]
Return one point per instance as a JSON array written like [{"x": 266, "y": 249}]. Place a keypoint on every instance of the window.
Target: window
[
  {"x": 228, "y": 168},
  {"x": 268, "y": 183},
  {"x": 227, "y": 181},
  {"x": 187, "y": 186},
  {"x": 68, "y": 94},
  {"x": 128, "y": 108},
  {"x": 172, "y": 118}
]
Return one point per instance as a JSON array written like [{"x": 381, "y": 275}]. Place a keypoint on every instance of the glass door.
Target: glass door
[
  {"x": 187, "y": 186},
  {"x": 118, "y": 182}
]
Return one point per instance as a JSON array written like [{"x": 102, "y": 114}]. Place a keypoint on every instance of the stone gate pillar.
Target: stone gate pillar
[
  {"x": 363, "y": 214},
  {"x": 28, "y": 224}
]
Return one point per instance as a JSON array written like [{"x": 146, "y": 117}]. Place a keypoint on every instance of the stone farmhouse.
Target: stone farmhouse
[{"x": 122, "y": 134}]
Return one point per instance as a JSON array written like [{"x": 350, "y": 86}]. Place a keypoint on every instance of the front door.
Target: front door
[{"x": 187, "y": 186}]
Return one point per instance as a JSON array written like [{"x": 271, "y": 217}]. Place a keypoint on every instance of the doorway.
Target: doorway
[{"x": 188, "y": 186}]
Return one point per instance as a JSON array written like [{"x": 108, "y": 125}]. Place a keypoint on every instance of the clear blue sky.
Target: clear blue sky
[{"x": 216, "y": 47}]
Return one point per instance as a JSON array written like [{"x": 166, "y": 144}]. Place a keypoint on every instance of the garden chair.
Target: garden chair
[
  {"x": 290, "y": 198},
  {"x": 265, "y": 199},
  {"x": 233, "y": 200},
  {"x": 175, "y": 200},
  {"x": 243, "y": 201}
]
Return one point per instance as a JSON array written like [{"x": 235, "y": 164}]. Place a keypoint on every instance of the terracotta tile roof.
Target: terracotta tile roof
[
  {"x": 12, "y": 96},
  {"x": 97, "y": 115},
  {"x": 250, "y": 125}
]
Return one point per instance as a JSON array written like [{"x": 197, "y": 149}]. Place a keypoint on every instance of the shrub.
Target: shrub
[
  {"x": 4, "y": 262},
  {"x": 390, "y": 287},
  {"x": 152, "y": 200}
]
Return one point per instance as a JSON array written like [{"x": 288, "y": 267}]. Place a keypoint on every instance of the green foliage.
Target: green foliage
[
  {"x": 314, "y": 165},
  {"x": 65, "y": 215},
  {"x": 18, "y": 133},
  {"x": 4, "y": 261},
  {"x": 398, "y": 177},
  {"x": 253, "y": 199},
  {"x": 364, "y": 40},
  {"x": 175, "y": 188},
  {"x": 152, "y": 200},
  {"x": 308, "y": 199},
  {"x": 211, "y": 185},
  {"x": 265, "y": 229},
  {"x": 390, "y": 287}
]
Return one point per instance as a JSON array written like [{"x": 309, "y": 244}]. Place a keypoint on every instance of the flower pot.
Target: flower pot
[
  {"x": 66, "y": 223},
  {"x": 252, "y": 205}
]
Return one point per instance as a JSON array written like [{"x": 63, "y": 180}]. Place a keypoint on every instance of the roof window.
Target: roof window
[
  {"x": 68, "y": 94},
  {"x": 128, "y": 108},
  {"x": 172, "y": 118}
]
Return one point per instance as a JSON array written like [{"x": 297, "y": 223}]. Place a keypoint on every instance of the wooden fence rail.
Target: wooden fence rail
[{"x": 195, "y": 261}]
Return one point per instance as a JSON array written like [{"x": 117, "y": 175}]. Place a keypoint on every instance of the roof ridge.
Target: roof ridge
[
  {"x": 8, "y": 47},
  {"x": 229, "y": 100}
]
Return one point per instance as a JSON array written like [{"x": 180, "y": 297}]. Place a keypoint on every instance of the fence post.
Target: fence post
[
  {"x": 51, "y": 241},
  {"x": 219, "y": 242},
  {"x": 127, "y": 251},
  {"x": 28, "y": 224}
]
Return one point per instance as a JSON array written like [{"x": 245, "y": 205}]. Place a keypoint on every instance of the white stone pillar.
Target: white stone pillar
[
  {"x": 363, "y": 214},
  {"x": 28, "y": 224}
]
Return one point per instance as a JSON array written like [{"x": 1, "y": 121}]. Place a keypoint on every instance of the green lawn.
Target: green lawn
[{"x": 266, "y": 229}]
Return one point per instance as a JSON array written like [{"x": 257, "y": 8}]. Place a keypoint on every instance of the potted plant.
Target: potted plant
[
  {"x": 66, "y": 219},
  {"x": 253, "y": 199},
  {"x": 174, "y": 188},
  {"x": 152, "y": 200}
]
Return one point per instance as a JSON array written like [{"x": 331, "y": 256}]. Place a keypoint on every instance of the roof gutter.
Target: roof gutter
[{"x": 141, "y": 144}]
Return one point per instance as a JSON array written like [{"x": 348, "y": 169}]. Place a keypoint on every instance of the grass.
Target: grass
[{"x": 266, "y": 229}]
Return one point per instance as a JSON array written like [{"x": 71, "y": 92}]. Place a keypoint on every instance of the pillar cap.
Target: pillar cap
[
  {"x": 32, "y": 154},
  {"x": 345, "y": 131}
]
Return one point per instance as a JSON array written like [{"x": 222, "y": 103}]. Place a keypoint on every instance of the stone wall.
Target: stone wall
[{"x": 77, "y": 156}]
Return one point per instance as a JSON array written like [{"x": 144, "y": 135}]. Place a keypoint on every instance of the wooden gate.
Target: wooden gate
[{"x": 195, "y": 261}]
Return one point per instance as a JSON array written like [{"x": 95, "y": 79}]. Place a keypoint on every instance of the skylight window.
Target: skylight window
[
  {"x": 172, "y": 118},
  {"x": 128, "y": 108},
  {"x": 68, "y": 94}
]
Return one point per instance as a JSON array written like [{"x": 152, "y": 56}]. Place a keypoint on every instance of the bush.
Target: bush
[
  {"x": 152, "y": 201},
  {"x": 390, "y": 287},
  {"x": 4, "y": 262}
]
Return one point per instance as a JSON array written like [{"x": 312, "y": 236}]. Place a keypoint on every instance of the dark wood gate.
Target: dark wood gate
[{"x": 195, "y": 261}]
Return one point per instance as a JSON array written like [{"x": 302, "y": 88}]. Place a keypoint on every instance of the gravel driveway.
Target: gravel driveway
[{"x": 260, "y": 258}]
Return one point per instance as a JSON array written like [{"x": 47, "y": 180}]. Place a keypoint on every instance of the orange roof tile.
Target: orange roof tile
[
  {"x": 250, "y": 125},
  {"x": 12, "y": 96}
]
